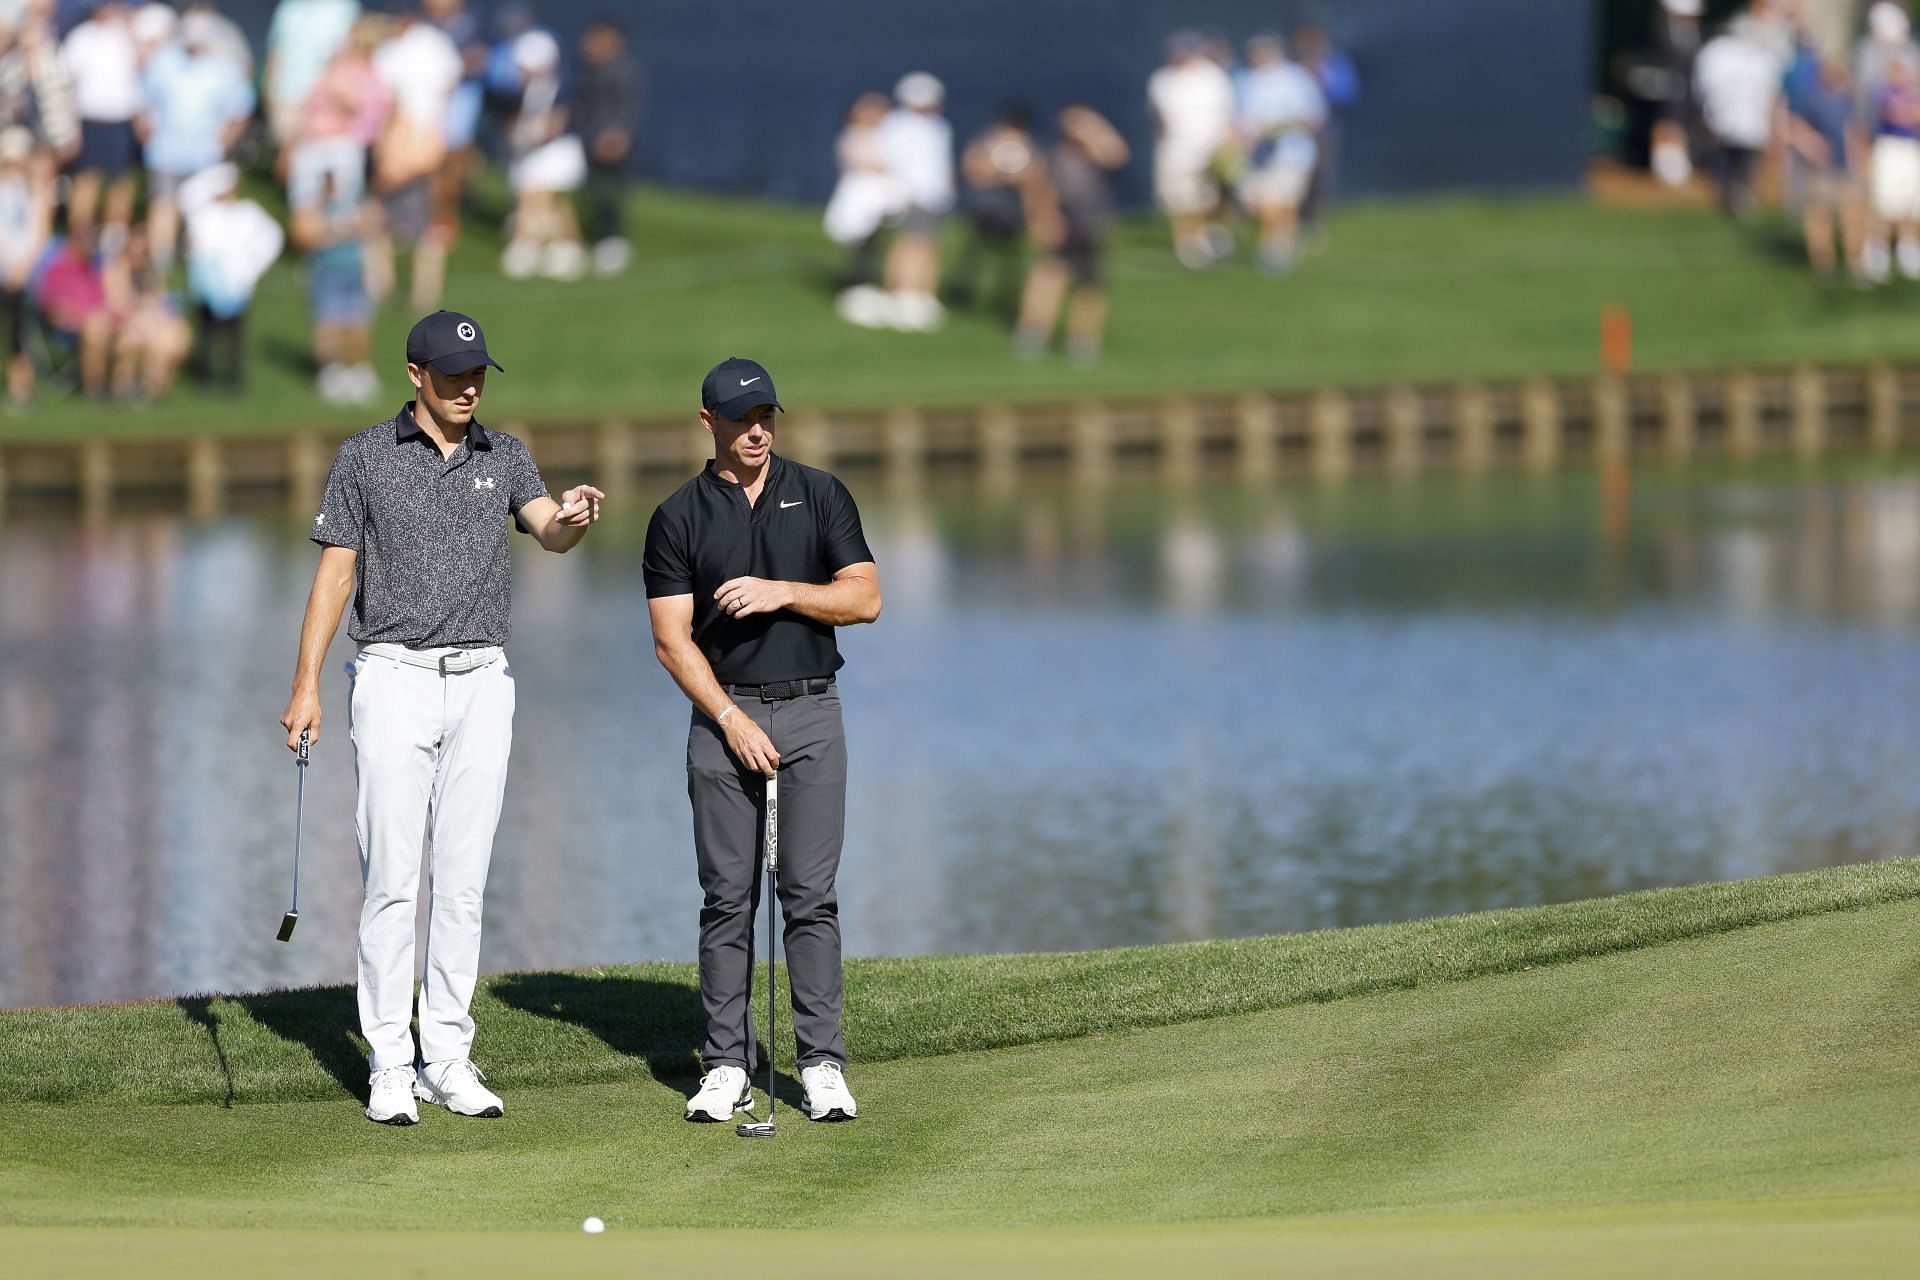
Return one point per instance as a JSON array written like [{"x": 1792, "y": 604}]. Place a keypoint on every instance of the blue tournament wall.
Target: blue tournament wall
[{"x": 747, "y": 95}]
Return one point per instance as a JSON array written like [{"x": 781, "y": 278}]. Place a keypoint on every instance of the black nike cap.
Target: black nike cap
[
  {"x": 735, "y": 387},
  {"x": 450, "y": 342}
]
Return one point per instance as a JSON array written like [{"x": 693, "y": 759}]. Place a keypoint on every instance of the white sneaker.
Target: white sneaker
[
  {"x": 520, "y": 260},
  {"x": 455, "y": 1085},
  {"x": 390, "y": 1097},
  {"x": 723, "y": 1091},
  {"x": 827, "y": 1096},
  {"x": 917, "y": 312},
  {"x": 866, "y": 305},
  {"x": 610, "y": 256}
]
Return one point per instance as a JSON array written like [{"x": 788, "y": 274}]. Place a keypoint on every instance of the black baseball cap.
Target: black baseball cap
[
  {"x": 736, "y": 386},
  {"x": 450, "y": 342}
]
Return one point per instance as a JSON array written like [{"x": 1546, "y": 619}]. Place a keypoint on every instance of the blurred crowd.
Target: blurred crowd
[
  {"x": 1253, "y": 142},
  {"x": 128, "y": 246},
  {"x": 1832, "y": 132}
]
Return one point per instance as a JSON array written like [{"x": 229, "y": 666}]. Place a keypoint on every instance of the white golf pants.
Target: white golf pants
[{"x": 431, "y": 730}]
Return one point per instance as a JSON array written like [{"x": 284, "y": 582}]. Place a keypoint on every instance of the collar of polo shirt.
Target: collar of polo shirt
[{"x": 405, "y": 428}]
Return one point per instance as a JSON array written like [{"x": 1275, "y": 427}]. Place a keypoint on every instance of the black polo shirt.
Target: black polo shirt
[
  {"x": 804, "y": 528},
  {"x": 433, "y": 567}
]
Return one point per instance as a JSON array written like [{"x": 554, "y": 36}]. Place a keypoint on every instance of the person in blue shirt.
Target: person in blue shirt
[
  {"x": 1340, "y": 86},
  {"x": 197, "y": 104},
  {"x": 1825, "y": 136}
]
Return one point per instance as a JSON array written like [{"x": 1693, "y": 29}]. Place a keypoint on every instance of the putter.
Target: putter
[
  {"x": 299, "y": 802},
  {"x": 764, "y": 1128}
]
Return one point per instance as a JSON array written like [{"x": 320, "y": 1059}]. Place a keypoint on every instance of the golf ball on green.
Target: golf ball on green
[{"x": 593, "y": 1226}]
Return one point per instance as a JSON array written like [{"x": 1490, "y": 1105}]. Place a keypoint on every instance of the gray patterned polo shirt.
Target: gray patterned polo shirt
[{"x": 431, "y": 532}]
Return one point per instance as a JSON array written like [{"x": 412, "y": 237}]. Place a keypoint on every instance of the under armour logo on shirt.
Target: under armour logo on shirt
[
  {"x": 321, "y": 518},
  {"x": 483, "y": 482}
]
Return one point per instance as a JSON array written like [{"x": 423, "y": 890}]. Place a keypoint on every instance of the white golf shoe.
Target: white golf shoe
[
  {"x": 723, "y": 1091},
  {"x": 456, "y": 1086},
  {"x": 390, "y": 1097},
  {"x": 827, "y": 1096}
]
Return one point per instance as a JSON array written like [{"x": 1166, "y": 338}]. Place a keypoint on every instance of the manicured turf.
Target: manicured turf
[
  {"x": 1714, "y": 1080},
  {"x": 1432, "y": 290}
]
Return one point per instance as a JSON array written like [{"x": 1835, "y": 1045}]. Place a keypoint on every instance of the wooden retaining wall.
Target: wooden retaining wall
[{"x": 1537, "y": 424}]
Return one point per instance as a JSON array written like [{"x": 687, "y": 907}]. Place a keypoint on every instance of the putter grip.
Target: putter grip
[{"x": 305, "y": 749}]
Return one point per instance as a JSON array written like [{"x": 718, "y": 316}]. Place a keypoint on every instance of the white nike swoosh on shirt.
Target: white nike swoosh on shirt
[
  {"x": 747, "y": 382},
  {"x": 785, "y": 505}
]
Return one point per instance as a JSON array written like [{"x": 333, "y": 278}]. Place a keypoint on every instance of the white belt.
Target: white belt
[{"x": 448, "y": 661}]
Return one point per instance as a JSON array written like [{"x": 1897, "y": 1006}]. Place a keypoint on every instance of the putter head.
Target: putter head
[
  {"x": 757, "y": 1129},
  {"x": 286, "y": 925}
]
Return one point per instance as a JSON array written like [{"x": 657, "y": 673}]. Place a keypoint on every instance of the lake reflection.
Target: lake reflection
[{"x": 1087, "y": 719}]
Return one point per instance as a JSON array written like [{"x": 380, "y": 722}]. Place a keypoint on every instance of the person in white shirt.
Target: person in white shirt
[
  {"x": 1191, "y": 100},
  {"x": 1738, "y": 76},
  {"x": 1281, "y": 111},
  {"x": 422, "y": 68},
  {"x": 917, "y": 142},
  {"x": 231, "y": 242},
  {"x": 104, "y": 66}
]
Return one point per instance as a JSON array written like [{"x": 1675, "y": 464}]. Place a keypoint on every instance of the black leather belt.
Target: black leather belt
[{"x": 781, "y": 690}]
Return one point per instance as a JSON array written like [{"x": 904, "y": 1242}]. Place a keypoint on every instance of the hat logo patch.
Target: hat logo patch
[{"x": 466, "y": 331}]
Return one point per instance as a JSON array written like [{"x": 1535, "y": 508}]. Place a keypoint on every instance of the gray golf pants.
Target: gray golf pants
[
  {"x": 728, "y": 814},
  {"x": 430, "y": 746}
]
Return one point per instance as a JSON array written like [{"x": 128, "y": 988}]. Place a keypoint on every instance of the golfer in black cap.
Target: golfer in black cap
[
  {"x": 413, "y": 527},
  {"x": 749, "y": 568}
]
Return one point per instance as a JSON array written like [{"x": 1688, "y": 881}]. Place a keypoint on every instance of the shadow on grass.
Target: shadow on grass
[
  {"x": 657, "y": 1023},
  {"x": 322, "y": 1019},
  {"x": 199, "y": 1009}
]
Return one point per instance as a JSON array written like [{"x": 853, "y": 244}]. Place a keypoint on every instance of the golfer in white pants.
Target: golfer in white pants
[{"x": 413, "y": 528}]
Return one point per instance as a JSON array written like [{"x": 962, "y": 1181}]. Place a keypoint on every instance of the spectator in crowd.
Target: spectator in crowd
[
  {"x": 155, "y": 26},
  {"x": 1677, "y": 41},
  {"x": 864, "y": 199},
  {"x": 197, "y": 104},
  {"x": 453, "y": 19},
  {"x": 1070, "y": 209},
  {"x": 231, "y": 241},
  {"x": 421, "y": 69},
  {"x": 1825, "y": 134},
  {"x": 918, "y": 144},
  {"x": 36, "y": 94},
  {"x": 997, "y": 168},
  {"x": 26, "y": 226},
  {"x": 1191, "y": 101},
  {"x": 1738, "y": 77},
  {"x": 150, "y": 335},
  {"x": 1896, "y": 172},
  {"x": 104, "y": 68},
  {"x": 547, "y": 164},
  {"x": 1889, "y": 39},
  {"x": 1280, "y": 112},
  {"x": 71, "y": 294},
  {"x": 1339, "y": 85},
  {"x": 223, "y": 36},
  {"x": 344, "y": 112},
  {"x": 606, "y": 103},
  {"x": 330, "y": 228},
  {"x": 127, "y": 339},
  {"x": 302, "y": 40}
]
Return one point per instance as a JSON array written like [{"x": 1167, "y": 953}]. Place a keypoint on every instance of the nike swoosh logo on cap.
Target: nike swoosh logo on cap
[{"x": 747, "y": 382}]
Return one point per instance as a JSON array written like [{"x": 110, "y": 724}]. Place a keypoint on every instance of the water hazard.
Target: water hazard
[{"x": 1087, "y": 718}]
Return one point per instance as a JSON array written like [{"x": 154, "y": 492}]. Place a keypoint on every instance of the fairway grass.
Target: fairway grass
[
  {"x": 1431, "y": 290},
  {"x": 1717, "y": 1080}
]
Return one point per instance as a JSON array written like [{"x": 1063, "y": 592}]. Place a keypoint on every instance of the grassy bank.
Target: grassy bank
[
  {"x": 1438, "y": 289},
  {"x": 1715, "y": 1080}
]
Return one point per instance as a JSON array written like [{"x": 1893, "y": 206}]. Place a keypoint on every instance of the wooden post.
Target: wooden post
[
  {"x": 811, "y": 436},
  {"x": 306, "y": 475},
  {"x": 1092, "y": 443},
  {"x": 206, "y": 477},
  {"x": 614, "y": 449},
  {"x": 905, "y": 443},
  {"x": 1809, "y": 396},
  {"x": 96, "y": 480},
  {"x": 1257, "y": 421},
  {"x": 1540, "y": 419},
  {"x": 1611, "y": 434},
  {"x": 1404, "y": 445},
  {"x": 1743, "y": 415},
  {"x": 1330, "y": 421},
  {"x": 998, "y": 441},
  {"x": 1678, "y": 417},
  {"x": 1883, "y": 407},
  {"x": 1179, "y": 443},
  {"x": 1472, "y": 428}
]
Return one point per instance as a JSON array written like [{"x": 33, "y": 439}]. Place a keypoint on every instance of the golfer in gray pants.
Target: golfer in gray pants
[
  {"x": 413, "y": 528},
  {"x": 749, "y": 568}
]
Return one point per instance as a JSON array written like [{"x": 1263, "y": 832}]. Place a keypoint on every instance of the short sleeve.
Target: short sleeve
[
  {"x": 342, "y": 519},
  {"x": 524, "y": 484},
  {"x": 842, "y": 540},
  {"x": 665, "y": 565}
]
